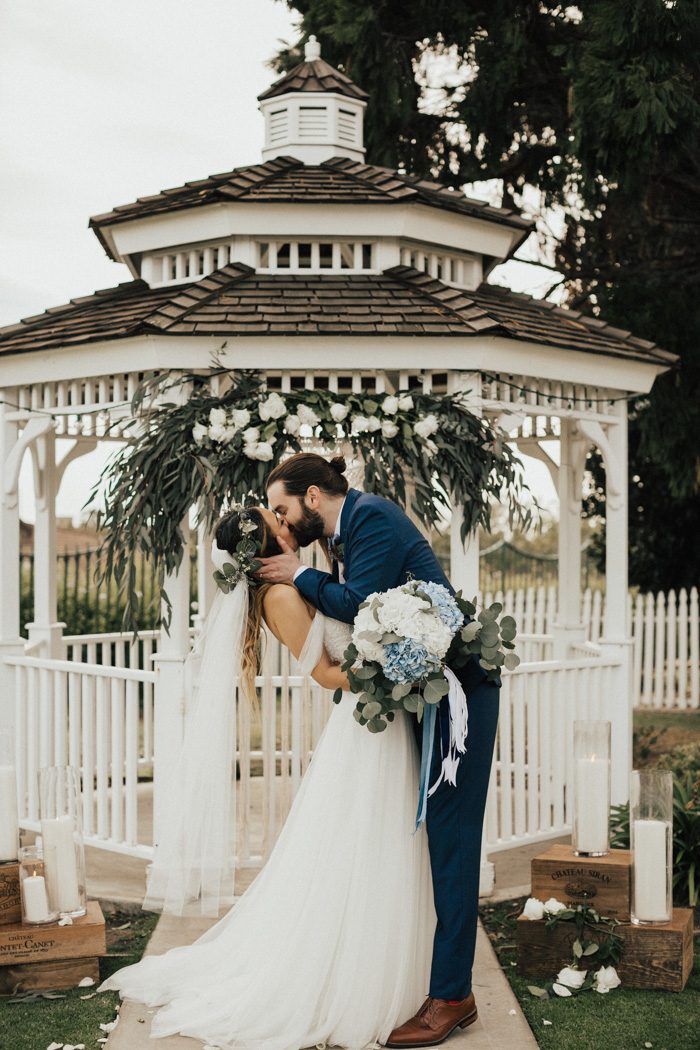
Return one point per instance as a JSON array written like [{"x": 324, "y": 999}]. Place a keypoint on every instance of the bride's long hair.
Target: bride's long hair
[{"x": 228, "y": 534}]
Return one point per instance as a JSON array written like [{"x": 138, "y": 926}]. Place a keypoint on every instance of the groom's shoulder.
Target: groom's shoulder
[{"x": 367, "y": 505}]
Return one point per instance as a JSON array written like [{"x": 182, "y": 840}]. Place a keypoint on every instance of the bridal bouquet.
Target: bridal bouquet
[{"x": 406, "y": 640}]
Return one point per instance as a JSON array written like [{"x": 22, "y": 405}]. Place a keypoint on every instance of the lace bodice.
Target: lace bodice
[{"x": 336, "y": 638}]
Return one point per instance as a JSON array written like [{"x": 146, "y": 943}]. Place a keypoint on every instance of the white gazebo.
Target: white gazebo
[{"x": 316, "y": 269}]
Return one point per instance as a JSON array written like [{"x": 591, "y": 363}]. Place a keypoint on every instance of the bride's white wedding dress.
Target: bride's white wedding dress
[{"x": 332, "y": 942}]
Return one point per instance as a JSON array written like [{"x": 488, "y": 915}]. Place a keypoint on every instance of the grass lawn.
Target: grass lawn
[
  {"x": 673, "y": 727},
  {"x": 621, "y": 1020},
  {"x": 36, "y": 1023}
]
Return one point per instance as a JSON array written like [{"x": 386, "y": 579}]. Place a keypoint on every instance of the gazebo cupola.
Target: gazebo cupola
[{"x": 314, "y": 112}]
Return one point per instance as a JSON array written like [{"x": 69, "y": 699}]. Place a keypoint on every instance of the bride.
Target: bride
[{"x": 331, "y": 943}]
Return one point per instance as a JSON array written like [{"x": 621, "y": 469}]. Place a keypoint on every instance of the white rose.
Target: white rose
[
  {"x": 292, "y": 424},
  {"x": 406, "y": 403},
  {"x": 250, "y": 450},
  {"x": 606, "y": 978},
  {"x": 571, "y": 978},
  {"x": 533, "y": 909},
  {"x": 307, "y": 416},
  {"x": 263, "y": 451},
  {"x": 217, "y": 432},
  {"x": 229, "y": 433},
  {"x": 373, "y": 424},
  {"x": 239, "y": 418},
  {"x": 360, "y": 424},
  {"x": 199, "y": 432},
  {"x": 339, "y": 412},
  {"x": 251, "y": 436},
  {"x": 553, "y": 906},
  {"x": 274, "y": 407},
  {"x": 426, "y": 426},
  {"x": 389, "y": 429},
  {"x": 390, "y": 405},
  {"x": 217, "y": 417}
]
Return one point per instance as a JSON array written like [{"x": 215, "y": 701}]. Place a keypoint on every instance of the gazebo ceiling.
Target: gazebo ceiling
[
  {"x": 286, "y": 180},
  {"x": 237, "y": 301}
]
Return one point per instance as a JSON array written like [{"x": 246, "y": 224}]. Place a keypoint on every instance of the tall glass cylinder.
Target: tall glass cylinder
[
  {"x": 591, "y": 823},
  {"x": 651, "y": 841},
  {"x": 60, "y": 810},
  {"x": 9, "y": 822}
]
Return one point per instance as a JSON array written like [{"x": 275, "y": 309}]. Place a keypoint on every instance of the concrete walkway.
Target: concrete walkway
[{"x": 119, "y": 880}]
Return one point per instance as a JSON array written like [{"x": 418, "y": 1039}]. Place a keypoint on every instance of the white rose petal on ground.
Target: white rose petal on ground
[
  {"x": 545, "y": 1021},
  {"x": 86, "y": 982},
  {"x": 533, "y": 909},
  {"x": 561, "y": 990},
  {"x": 512, "y": 1012},
  {"x": 54, "y": 1046}
]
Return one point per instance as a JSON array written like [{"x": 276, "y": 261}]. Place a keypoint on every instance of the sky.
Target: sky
[{"x": 103, "y": 101}]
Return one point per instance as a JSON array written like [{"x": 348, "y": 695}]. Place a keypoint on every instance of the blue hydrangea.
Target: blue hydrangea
[
  {"x": 407, "y": 661},
  {"x": 448, "y": 610}
]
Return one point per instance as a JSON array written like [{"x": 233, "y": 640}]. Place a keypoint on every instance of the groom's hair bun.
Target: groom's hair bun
[{"x": 307, "y": 468}]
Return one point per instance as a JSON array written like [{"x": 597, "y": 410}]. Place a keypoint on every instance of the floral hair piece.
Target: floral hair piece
[{"x": 232, "y": 568}]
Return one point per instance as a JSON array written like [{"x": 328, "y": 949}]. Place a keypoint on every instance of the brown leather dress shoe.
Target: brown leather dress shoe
[{"x": 435, "y": 1020}]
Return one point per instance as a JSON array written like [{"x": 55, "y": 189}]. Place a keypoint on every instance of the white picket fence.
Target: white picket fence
[{"x": 665, "y": 629}]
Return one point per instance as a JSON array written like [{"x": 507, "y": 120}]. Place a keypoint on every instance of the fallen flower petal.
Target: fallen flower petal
[
  {"x": 512, "y": 1012},
  {"x": 561, "y": 989},
  {"x": 90, "y": 996},
  {"x": 54, "y": 1046},
  {"x": 544, "y": 1021},
  {"x": 86, "y": 982}
]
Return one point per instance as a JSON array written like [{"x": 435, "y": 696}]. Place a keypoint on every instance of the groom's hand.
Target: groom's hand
[{"x": 281, "y": 567}]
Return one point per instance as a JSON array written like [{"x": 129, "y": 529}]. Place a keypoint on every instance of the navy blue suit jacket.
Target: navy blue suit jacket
[{"x": 382, "y": 547}]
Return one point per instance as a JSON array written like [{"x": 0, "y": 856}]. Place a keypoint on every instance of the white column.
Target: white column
[
  {"x": 568, "y": 628},
  {"x": 206, "y": 587},
  {"x": 169, "y": 691},
  {"x": 11, "y": 643},
  {"x": 464, "y": 569},
  {"x": 45, "y": 629},
  {"x": 616, "y": 639}
]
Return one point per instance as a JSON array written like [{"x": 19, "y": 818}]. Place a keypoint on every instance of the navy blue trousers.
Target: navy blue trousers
[{"x": 454, "y": 822}]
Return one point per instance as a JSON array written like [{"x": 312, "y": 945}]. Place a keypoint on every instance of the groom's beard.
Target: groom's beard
[{"x": 309, "y": 528}]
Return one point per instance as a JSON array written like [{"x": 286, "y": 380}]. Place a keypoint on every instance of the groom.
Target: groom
[{"x": 374, "y": 546}]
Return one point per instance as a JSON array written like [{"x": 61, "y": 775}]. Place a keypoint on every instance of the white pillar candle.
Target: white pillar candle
[
  {"x": 34, "y": 899},
  {"x": 650, "y": 859},
  {"x": 9, "y": 823},
  {"x": 63, "y": 879},
  {"x": 592, "y": 804}
]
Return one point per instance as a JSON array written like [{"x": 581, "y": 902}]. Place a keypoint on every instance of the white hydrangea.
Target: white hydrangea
[
  {"x": 251, "y": 436},
  {"x": 274, "y": 407},
  {"x": 307, "y": 416},
  {"x": 199, "y": 432},
  {"x": 217, "y": 417},
  {"x": 292, "y": 424},
  {"x": 239, "y": 418},
  {"x": 405, "y": 403},
  {"x": 373, "y": 424},
  {"x": 390, "y": 405},
  {"x": 389, "y": 429},
  {"x": 339, "y": 412},
  {"x": 426, "y": 426}
]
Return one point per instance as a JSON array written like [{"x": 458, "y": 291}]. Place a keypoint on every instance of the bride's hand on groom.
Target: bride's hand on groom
[{"x": 281, "y": 567}]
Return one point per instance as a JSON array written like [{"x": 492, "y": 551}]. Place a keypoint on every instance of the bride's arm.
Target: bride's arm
[{"x": 288, "y": 617}]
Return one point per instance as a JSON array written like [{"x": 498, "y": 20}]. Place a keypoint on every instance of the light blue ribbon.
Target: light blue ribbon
[{"x": 429, "y": 718}]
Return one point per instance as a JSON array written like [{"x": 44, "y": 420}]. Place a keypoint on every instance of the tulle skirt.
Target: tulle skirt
[{"x": 332, "y": 942}]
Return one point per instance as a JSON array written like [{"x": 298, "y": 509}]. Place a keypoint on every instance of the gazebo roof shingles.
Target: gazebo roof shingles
[
  {"x": 339, "y": 180},
  {"x": 314, "y": 76},
  {"x": 236, "y": 300}
]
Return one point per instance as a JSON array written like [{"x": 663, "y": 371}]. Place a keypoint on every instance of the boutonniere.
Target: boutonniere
[{"x": 337, "y": 551}]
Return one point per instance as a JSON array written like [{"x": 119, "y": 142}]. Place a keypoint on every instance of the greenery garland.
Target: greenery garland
[{"x": 208, "y": 450}]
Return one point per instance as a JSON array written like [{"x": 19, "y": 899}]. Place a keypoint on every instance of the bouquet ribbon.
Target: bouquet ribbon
[{"x": 459, "y": 728}]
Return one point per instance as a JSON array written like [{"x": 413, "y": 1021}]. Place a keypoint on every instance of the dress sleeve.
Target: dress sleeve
[{"x": 312, "y": 650}]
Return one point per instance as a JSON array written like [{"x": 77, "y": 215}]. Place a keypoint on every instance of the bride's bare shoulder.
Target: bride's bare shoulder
[{"x": 283, "y": 598}]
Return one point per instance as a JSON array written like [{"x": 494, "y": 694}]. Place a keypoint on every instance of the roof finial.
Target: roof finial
[{"x": 312, "y": 49}]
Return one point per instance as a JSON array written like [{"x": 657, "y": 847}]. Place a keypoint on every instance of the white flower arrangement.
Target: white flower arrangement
[{"x": 575, "y": 978}]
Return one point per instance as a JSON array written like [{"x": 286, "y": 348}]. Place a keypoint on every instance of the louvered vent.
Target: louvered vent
[
  {"x": 313, "y": 122},
  {"x": 347, "y": 126},
  {"x": 279, "y": 123}
]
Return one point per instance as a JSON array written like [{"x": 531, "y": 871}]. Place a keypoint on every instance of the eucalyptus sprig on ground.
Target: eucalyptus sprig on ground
[
  {"x": 191, "y": 447},
  {"x": 596, "y": 941}
]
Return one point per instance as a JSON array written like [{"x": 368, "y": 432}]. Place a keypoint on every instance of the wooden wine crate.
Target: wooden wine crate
[
  {"x": 10, "y": 908},
  {"x": 602, "y": 883},
  {"x": 41, "y": 976},
  {"x": 653, "y": 957},
  {"x": 85, "y": 938}
]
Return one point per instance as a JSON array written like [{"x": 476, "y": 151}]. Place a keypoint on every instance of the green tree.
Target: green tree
[{"x": 597, "y": 109}]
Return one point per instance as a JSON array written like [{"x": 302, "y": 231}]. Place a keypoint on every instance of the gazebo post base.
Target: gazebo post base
[
  {"x": 47, "y": 639},
  {"x": 620, "y": 714}
]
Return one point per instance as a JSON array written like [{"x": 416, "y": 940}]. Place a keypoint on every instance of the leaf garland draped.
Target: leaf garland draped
[{"x": 427, "y": 450}]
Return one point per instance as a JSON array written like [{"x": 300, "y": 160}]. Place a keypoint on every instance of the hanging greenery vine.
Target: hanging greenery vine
[{"x": 207, "y": 450}]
